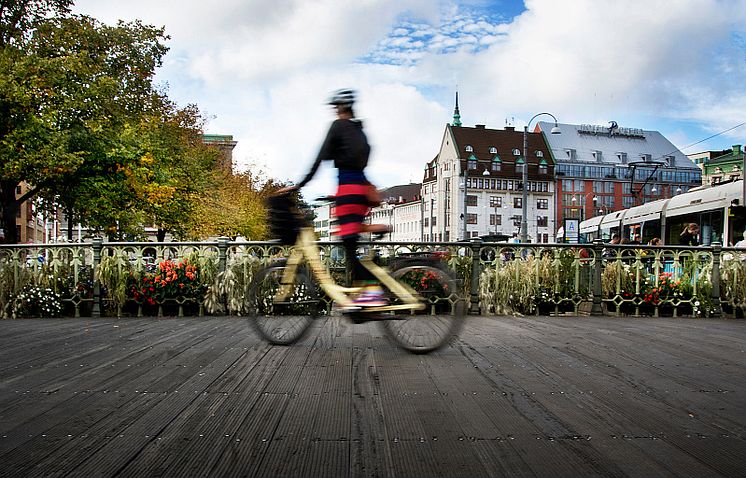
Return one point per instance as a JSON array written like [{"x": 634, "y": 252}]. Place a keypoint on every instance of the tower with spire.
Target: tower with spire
[{"x": 456, "y": 114}]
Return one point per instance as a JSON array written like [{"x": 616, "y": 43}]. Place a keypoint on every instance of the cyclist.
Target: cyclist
[{"x": 347, "y": 145}]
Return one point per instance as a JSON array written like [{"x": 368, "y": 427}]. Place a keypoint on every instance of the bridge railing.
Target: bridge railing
[{"x": 198, "y": 278}]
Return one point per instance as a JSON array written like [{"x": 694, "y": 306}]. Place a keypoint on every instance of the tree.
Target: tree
[
  {"x": 19, "y": 17},
  {"x": 234, "y": 208},
  {"x": 164, "y": 169},
  {"x": 69, "y": 89}
]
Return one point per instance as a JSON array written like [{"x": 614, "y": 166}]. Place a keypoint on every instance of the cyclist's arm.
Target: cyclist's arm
[{"x": 326, "y": 152}]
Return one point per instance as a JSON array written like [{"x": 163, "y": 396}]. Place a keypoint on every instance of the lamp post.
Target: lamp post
[
  {"x": 582, "y": 206},
  {"x": 524, "y": 202}
]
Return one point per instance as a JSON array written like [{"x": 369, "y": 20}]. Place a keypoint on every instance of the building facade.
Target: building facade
[
  {"x": 474, "y": 186},
  {"x": 602, "y": 169},
  {"x": 225, "y": 143},
  {"x": 725, "y": 167}
]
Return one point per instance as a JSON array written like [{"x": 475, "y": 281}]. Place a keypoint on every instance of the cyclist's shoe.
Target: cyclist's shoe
[{"x": 370, "y": 297}]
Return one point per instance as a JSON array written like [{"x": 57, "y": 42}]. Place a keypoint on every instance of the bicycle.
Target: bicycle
[{"x": 283, "y": 299}]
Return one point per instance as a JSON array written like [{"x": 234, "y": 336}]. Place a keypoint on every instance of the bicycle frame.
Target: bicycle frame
[{"x": 305, "y": 248}]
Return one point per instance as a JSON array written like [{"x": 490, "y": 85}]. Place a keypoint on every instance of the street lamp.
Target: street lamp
[
  {"x": 466, "y": 180},
  {"x": 524, "y": 203},
  {"x": 583, "y": 206}
]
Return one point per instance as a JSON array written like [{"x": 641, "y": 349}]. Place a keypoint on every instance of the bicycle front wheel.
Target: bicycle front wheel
[
  {"x": 282, "y": 316},
  {"x": 426, "y": 330}
]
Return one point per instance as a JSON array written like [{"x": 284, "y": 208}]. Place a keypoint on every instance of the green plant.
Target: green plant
[
  {"x": 113, "y": 272},
  {"x": 618, "y": 278},
  {"x": 36, "y": 301},
  {"x": 230, "y": 287},
  {"x": 171, "y": 280},
  {"x": 733, "y": 282},
  {"x": 424, "y": 281},
  {"x": 510, "y": 288}
]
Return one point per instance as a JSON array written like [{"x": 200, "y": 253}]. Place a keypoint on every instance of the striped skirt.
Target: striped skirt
[{"x": 351, "y": 203}]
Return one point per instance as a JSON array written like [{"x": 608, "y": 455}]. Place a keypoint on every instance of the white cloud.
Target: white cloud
[{"x": 264, "y": 69}]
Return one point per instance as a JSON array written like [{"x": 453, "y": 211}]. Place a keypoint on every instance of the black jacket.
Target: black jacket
[{"x": 345, "y": 144}]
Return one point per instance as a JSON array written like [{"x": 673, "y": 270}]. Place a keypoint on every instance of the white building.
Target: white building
[
  {"x": 322, "y": 223},
  {"x": 489, "y": 202}
]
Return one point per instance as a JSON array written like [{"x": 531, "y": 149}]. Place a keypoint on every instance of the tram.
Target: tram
[{"x": 719, "y": 211}]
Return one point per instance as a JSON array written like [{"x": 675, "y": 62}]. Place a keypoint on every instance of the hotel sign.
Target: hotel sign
[{"x": 612, "y": 130}]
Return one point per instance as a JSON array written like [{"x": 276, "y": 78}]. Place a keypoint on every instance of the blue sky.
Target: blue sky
[{"x": 262, "y": 69}]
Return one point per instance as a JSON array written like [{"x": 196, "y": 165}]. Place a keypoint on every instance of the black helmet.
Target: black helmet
[{"x": 344, "y": 97}]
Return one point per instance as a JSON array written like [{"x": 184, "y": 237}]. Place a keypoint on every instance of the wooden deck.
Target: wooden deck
[{"x": 555, "y": 397}]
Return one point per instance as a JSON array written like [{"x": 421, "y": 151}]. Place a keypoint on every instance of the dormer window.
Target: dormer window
[
  {"x": 598, "y": 156},
  {"x": 493, "y": 150},
  {"x": 571, "y": 154},
  {"x": 622, "y": 157},
  {"x": 472, "y": 162},
  {"x": 516, "y": 152},
  {"x": 539, "y": 154},
  {"x": 497, "y": 163},
  {"x": 519, "y": 165},
  {"x": 468, "y": 148},
  {"x": 646, "y": 157},
  {"x": 543, "y": 166}
]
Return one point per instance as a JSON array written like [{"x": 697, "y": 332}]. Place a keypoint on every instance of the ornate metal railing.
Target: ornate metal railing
[{"x": 197, "y": 278}]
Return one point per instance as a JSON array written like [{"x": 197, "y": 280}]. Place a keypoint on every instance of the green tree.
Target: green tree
[
  {"x": 70, "y": 90},
  {"x": 163, "y": 170}
]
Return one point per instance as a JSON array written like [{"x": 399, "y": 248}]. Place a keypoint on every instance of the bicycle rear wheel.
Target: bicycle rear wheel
[
  {"x": 286, "y": 321},
  {"x": 423, "y": 331}
]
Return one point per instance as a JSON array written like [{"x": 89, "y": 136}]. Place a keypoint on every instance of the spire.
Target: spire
[{"x": 456, "y": 114}]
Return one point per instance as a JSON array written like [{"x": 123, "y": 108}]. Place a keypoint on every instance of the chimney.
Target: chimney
[
  {"x": 510, "y": 128},
  {"x": 479, "y": 126}
]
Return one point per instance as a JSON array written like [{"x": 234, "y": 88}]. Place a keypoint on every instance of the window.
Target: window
[
  {"x": 519, "y": 165},
  {"x": 493, "y": 150},
  {"x": 496, "y": 163},
  {"x": 517, "y": 203},
  {"x": 539, "y": 154},
  {"x": 543, "y": 167},
  {"x": 496, "y": 201},
  {"x": 468, "y": 148},
  {"x": 542, "y": 221},
  {"x": 496, "y": 220},
  {"x": 426, "y": 222},
  {"x": 471, "y": 200},
  {"x": 542, "y": 204},
  {"x": 434, "y": 220},
  {"x": 516, "y": 152},
  {"x": 471, "y": 218},
  {"x": 472, "y": 162}
]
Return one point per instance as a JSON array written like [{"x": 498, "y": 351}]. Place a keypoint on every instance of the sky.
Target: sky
[{"x": 262, "y": 71}]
